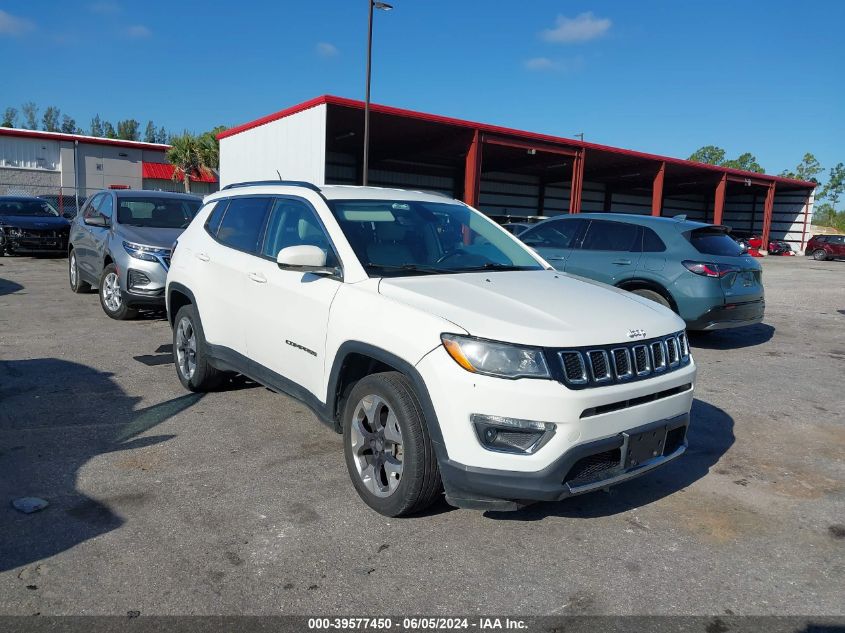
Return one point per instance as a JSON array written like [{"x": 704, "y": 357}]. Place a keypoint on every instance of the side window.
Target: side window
[
  {"x": 106, "y": 206},
  {"x": 93, "y": 203},
  {"x": 603, "y": 235},
  {"x": 652, "y": 242},
  {"x": 213, "y": 222},
  {"x": 554, "y": 234},
  {"x": 294, "y": 223},
  {"x": 243, "y": 222}
]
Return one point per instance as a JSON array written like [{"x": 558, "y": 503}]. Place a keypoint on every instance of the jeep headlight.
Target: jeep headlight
[
  {"x": 492, "y": 358},
  {"x": 147, "y": 253}
]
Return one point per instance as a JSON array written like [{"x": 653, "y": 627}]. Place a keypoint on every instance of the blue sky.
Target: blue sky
[{"x": 665, "y": 77}]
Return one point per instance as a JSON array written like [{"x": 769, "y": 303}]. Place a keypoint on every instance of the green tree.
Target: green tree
[
  {"x": 189, "y": 155},
  {"x": 746, "y": 162},
  {"x": 128, "y": 129},
  {"x": 161, "y": 135},
  {"x": 96, "y": 126},
  {"x": 807, "y": 169},
  {"x": 108, "y": 130},
  {"x": 150, "y": 133},
  {"x": 10, "y": 117},
  {"x": 69, "y": 125},
  {"x": 51, "y": 119},
  {"x": 835, "y": 186},
  {"x": 709, "y": 154},
  {"x": 30, "y": 115}
]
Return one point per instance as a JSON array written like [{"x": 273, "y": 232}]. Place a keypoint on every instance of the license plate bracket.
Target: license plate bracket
[{"x": 645, "y": 446}]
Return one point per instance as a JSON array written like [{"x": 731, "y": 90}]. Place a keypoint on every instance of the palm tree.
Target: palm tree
[{"x": 187, "y": 157}]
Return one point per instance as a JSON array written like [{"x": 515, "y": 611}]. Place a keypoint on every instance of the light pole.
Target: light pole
[{"x": 382, "y": 6}]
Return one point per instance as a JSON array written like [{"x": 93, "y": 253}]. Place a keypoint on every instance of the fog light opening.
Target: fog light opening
[{"x": 511, "y": 435}]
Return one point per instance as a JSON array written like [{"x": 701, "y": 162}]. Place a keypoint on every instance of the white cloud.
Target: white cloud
[
  {"x": 581, "y": 28},
  {"x": 104, "y": 7},
  {"x": 545, "y": 64},
  {"x": 324, "y": 49},
  {"x": 138, "y": 32},
  {"x": 14, "y": 26},
  {"x": 539, "y": 63}
]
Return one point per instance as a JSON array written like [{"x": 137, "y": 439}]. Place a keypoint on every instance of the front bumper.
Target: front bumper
[
  {"x": 35, "y": 244},
  {"x": 141, "y": 282},
  {"x": 583, "y": 468},
  {"x": 730, "y": 316}
]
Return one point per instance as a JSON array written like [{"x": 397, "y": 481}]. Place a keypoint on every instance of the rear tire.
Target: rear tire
[
  {"x": 389, "y": 454},
  {"x": 76, "y": 284},
  {"x": 819, "y": 255},
  {"x": 111, "y": 296},
  {"x": 190, "y": 353},
  {"x": 652, "y": 295}
]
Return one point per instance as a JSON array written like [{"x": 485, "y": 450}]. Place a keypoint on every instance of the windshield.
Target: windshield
[
  {"x": 36, "y": 208},
  {"x": 160, "y": 213},
  {"x": 396, "y": 237}
]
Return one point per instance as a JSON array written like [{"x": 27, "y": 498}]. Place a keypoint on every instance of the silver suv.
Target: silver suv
[{"x": 121, "y": 243}]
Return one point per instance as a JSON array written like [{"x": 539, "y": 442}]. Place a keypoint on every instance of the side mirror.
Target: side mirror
[
  {"x": 68, "y": 215},
  {"x": 305, "y": 259},
  {"x": 97, "y": 220}
]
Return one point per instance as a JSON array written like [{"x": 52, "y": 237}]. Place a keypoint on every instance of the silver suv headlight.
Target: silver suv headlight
[
  {"x": 147, "y": 253},
  {"x": 492, "y": 358}
]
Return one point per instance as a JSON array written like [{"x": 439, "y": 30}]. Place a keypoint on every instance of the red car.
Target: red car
[{"x": 823, "y": 247}]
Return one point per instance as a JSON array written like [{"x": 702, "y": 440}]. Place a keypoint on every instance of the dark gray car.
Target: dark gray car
[{"x": 121, "y": 243}]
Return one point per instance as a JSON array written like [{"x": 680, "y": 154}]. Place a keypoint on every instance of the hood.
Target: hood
[
  {"x": 34, "y": 221},
  {"x": 543, "y": 308},
  {"x": 149, "y": 236}
]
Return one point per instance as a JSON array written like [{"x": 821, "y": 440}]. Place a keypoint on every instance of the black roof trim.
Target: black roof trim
[{"x": 282, "y": 183}]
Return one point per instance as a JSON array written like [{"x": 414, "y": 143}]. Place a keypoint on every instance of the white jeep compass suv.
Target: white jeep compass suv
[{"x": 451, "y": 357}]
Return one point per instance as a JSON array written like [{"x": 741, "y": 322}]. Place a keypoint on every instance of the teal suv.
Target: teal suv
[{"x": 695, "y": 269}]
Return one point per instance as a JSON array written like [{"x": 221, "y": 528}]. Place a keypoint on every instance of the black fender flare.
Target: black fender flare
[{"x": 388, "y": 358}]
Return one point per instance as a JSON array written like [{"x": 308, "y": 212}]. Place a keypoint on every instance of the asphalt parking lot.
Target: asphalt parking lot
[{"x": 164, "y": 502}]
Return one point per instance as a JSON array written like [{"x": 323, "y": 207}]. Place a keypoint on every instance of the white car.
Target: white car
[{"x": 451, "y": 357}]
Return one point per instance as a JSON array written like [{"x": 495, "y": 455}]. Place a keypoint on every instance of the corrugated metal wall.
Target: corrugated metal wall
[{"x": 294, "y": 146}]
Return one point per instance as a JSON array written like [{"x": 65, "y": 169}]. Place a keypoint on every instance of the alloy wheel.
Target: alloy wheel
[
  {"x": 186, "y": 348},
  {"x": 377, "y": 445},
  {"x": 73, "y": 271},
  {"x": 111, "y": 292}
]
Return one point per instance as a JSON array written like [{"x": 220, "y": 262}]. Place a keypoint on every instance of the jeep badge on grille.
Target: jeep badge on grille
[{"x": 636, "y": 333}]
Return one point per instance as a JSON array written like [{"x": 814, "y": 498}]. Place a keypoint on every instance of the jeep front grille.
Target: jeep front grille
[{"x": 612, "y": 364}]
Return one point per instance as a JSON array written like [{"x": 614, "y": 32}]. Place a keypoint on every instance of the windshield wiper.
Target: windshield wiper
[
  {"x": 496, "y": 267},
  {"x": 408, "y": 268}
]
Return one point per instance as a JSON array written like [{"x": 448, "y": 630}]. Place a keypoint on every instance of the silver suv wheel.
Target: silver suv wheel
[
  {"x": 111, "y": 292},
  {"x": 376, "y": 442},
  {"x": 186, "y": 348},
  {"x": 73, "y": 271}
]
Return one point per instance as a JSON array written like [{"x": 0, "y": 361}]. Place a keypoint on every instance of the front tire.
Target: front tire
[
  {"x": 819, "y": 255},
  {"x": 389, "y": 454},
  {"x": 190, "y": 353},
  {"x": 111, "y": 296},
  {"x": 76, "y": 284}
]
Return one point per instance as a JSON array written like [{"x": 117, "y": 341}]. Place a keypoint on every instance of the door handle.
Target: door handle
[
  {"x": 258, "y": 278},
  {"x": 202, "y": 257},
  {"x": 622, "y": 262}
]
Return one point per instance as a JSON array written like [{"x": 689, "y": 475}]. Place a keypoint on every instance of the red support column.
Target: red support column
[
  {"x": 719, "y": 200},
  {"x": 657, "y": 190},
  {"x": 767, "y": 215},
  {"x": 577, "y": 182},
  {"x": 472, "y": 170}
]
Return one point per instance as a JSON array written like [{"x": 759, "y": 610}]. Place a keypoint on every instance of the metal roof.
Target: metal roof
[
  {"x": 95, "y": 140},
  {"x": 504, "y": 131}
]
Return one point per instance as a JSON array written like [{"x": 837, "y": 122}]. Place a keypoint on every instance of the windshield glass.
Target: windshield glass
[
  {"x": 397, "y": 237},
  {"x": 714, "y": 242},
  {"x": 38, "y": 208},
  {"x": 160, "y": 213}
]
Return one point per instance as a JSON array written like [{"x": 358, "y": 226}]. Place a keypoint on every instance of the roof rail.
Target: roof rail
[{"x": 283, "y": 183}]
